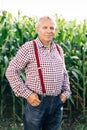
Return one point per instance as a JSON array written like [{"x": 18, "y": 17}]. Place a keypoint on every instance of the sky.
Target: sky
[{"x": 68, "y": 9}]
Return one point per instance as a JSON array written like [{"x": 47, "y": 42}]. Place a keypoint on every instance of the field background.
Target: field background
[{"x": 14, "y": 32}]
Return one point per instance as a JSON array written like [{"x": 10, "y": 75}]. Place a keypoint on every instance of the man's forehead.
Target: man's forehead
[{"x": 44, "y": 20}]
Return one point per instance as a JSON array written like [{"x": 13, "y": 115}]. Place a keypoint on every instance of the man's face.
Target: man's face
[{"x": 46, "y": 30}]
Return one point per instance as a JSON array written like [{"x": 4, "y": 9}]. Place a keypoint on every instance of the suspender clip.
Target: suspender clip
[{"x": 39, "y": 68}]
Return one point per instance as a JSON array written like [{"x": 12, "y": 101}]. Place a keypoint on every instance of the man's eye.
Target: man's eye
[
  {"x": 44, "y": 27},
  {"x": 51, "y": 28}
]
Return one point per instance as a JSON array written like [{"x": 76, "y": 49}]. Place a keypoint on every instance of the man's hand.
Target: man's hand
[
  {"x": 63, "y": 98},
  {"x": 33, "y": 99}
]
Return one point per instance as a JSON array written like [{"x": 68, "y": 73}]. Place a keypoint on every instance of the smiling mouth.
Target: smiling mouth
[{"x": 48, "y": 35}]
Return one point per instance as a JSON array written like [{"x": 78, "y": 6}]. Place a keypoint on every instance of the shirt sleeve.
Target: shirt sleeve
[
  {"x": 66, "y": 84},
  {"x": 14, "y": 70}
]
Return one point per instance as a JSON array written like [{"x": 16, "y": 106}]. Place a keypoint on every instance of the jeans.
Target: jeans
[{"x": 46, "y": 116}]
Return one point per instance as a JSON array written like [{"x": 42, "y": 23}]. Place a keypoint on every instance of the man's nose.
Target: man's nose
[{"x": 49, "y": 30}]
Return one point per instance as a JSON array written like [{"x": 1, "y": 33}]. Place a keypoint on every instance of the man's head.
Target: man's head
[{"x": 46, "y": 29}]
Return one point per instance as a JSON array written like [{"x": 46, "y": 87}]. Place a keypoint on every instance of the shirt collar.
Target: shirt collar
[{"x": 42, "y": 46}]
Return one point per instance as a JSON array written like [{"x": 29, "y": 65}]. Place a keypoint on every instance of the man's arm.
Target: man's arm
[
  {"x": 66, "y": 92},
  {"x": 14, "y": 69}
]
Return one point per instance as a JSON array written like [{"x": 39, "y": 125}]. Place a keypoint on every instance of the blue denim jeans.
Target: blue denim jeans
[{"x": 46, "y": 116}]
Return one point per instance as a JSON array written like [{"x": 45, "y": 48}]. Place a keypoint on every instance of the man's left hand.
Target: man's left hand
[{"x": 63, "y": 98}]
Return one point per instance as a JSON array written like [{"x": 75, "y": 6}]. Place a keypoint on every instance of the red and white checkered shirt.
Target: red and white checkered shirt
[{"x": 52, "y": 65}]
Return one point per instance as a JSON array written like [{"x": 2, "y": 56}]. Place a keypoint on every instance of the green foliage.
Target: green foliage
[
  {"x": 73, "y": 39},
  {"x": 9, "y": 124},
  {"x": 13, "y": 33}
]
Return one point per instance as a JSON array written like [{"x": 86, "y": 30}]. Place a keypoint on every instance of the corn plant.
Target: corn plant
[
  {"x": 73, "y": 39},
  {"x": 13, "y": 33}
]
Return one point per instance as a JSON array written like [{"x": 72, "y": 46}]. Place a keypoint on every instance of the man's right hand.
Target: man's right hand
[{"x": 33, "y": 99}]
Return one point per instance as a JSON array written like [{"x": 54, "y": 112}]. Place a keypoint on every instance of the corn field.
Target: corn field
[{"x": 71, "y": 36}]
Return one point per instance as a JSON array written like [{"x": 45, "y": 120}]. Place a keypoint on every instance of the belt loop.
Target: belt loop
[{"x": 44, "y": 94}]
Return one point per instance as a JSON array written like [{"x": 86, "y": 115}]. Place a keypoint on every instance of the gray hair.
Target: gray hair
[{"x": 45, "y": 17}]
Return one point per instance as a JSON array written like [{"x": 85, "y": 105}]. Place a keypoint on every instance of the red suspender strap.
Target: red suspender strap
[
  {"x": 39, "y": 68},
  {"x": 58, "y": 49}
]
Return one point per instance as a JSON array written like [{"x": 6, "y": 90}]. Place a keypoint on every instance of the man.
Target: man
[{"x": 47, "y": 84}]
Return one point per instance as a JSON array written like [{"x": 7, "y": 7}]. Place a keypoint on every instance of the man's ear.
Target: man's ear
[{"x": 55, "y": 30}]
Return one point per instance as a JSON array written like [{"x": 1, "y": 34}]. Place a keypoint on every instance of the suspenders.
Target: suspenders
[
  {"x": 39, "y": 68},
  {"x": 58, "y": 49}
]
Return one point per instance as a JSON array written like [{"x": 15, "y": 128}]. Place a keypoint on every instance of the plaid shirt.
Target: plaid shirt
[{"x": 52, "y": 65}]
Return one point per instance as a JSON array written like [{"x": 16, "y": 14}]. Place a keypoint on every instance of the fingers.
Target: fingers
[
  {"x": 63, "y": 98},
  {"x": 33, "y": 99}
]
